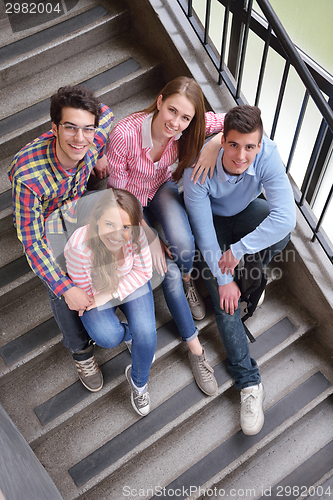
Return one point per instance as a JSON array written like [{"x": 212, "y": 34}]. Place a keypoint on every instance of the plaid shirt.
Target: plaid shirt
[{"x": 40, "y": 188}]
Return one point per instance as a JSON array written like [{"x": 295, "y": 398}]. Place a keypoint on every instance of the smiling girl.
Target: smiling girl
[
  {"x": 141, "y": 150},
  {"x": 110, "y": 259}
]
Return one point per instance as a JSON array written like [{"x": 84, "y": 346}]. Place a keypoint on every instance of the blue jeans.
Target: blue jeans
[
  {"x": 106, "y": 330},
  {"x": 167, "y": 208},
  {"x": 75, "y": 337},
  {"x": 243, "y": 368}
]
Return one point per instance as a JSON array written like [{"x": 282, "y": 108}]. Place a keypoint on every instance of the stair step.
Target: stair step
[
  {"x": 64, "y": 40},
  {"x": 237, "y": 445},
  {"x": 285, "y": 461},
  {"x": 302, "y": 481},
  {"x": 169, "y": 411},
  {"x": 185, "y": 448},
  {"x": 76, "y": 393},
  {"x": 121, "y": 68},
  {"x": 28, "y": 342}
]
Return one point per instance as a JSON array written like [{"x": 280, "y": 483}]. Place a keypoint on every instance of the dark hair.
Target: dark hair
[
  {"x": 192, "y": 139},
  {"x": 245, "y": 119},
  {"x": 74, "y": 97},
  {"x": 104, "y": 265}
]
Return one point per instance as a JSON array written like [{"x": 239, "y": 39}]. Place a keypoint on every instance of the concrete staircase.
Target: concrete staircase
[{"x": 94, "y": 446}]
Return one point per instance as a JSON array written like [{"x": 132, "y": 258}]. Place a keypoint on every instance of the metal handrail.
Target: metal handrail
[
  {"x": 297, "y": 61},
  {"x": 313, "y": 77}
]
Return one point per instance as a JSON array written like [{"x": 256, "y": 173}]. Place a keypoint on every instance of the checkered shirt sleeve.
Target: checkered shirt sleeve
[{"x": 40, "y": 188}]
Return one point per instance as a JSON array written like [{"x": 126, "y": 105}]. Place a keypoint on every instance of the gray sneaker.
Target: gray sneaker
[
  {"x": 203, "y": 373},
  {"x": 196, "y": 303},
  {"x": 88, "y": 369},
  {"x": 140, "y": 402}
]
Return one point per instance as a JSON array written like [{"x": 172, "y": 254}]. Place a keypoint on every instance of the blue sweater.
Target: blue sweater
[{"x": 221, "y": 196}]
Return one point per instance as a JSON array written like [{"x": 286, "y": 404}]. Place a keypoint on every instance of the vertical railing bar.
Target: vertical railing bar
[
  {"x": 263, "y": 65},
  {"x": 189, "y": 12},
  {"x": 224, "y": 39},
  {"x": 207, "y": 21},
  {"x": 298, "y": 129},
  {"x": 312, "y": 162},
  {"x": 323, "y": 212},
  {"x": 244, "y": 45},
  {"x": 280, "y": 99}
]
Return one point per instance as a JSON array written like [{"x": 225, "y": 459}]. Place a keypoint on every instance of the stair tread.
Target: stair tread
[
  {"x": 307, "y": 474},
  {"x": 185, "y": 445},
  {"x": 238, "y": 444},
  {"x": 82, "y": 67},
  {"x": 47, "y": 35},
  {"x": 7, "y": 34}
]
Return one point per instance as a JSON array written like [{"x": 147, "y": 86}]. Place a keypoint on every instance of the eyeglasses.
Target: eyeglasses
[{"x": 73, "y": 130}]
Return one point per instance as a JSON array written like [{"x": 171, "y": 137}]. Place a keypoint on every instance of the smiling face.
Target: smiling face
[
  {"x": 114, "y": 228},
  {"x": 174, "y": 115},
  {"x": 71, "y": 149},
  {"x": 240, "y": 151}
]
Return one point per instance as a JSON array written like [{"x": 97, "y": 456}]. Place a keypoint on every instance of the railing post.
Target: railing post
[{"x": 236, "y": 37}]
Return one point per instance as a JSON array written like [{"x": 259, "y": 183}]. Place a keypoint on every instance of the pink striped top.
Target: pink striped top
[
  {"x": 134, "y": 273},
  {"x": 131, "y": 167}
]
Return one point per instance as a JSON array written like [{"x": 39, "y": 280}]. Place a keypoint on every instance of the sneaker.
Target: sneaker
[
  {"x": 88, "y": 369},
  {"x": 140, "y": 402},
  {"x": 197, "y": 305},
  {"x": 252, "y": 414},
  {"x": 203, "y": 373},
  {"x": 129, "y": 347}
]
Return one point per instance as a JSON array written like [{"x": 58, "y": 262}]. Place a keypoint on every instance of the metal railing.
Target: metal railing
[{"x": 239, "y": 20}]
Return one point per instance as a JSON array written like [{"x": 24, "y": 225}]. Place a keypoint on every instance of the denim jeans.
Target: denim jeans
[
  {"x": 75, "y": 337},
  {"x": 243, "y": 368},
  {"x": 105, "y": 328},
  {"x": 167, "y": 208}
]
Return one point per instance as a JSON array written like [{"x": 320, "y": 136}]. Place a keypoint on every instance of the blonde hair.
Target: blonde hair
[
  {"x": 193, "y": 137},
  {"x": 104, "y": 263}
]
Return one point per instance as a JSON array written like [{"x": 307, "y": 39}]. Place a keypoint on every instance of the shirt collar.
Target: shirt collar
[
  {"x": 223, "y": 176},
  {"x": 147, "y": 140}
]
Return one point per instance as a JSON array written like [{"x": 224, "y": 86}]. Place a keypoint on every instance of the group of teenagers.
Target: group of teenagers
[{"x": 96, "y": 251}]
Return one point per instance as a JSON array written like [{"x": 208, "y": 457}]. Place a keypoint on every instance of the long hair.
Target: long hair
[
  {"x": 104, "y": 263},
  {"x": 193, "y": 137}
]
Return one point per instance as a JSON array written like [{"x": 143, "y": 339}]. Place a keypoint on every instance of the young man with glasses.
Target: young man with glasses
[{"x": 48, "y": 176}]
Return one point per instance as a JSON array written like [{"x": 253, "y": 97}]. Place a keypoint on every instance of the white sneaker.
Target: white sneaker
[{"x": 252, "y": 414}]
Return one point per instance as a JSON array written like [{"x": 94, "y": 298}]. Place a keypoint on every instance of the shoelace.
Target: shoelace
[
  {"x": 142, "y": 399},
  {"x": 248, "y": 400},
  {"x": 88, "y": 367},
  {"x": 205, "y": 370},
  {"x": 190, "y": 294}
]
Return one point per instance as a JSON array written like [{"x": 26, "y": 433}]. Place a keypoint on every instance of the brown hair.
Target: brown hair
[
  {"x": 245, "y": 119},
  {"x": 192, "y": 139},
  {"x": 104, "y": 264},
  {"x": 74, "y": 97}
]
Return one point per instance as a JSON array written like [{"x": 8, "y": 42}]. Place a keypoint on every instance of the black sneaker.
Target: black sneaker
[{"x": 140, "y": 402}]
